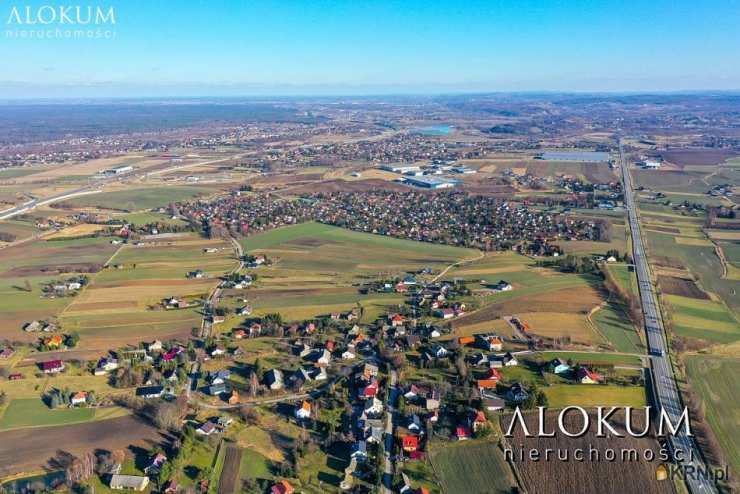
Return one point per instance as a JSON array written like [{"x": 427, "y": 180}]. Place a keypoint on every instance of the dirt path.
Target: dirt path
[
  {"x": 458, "y": 263},
  {"x": 91, "y": 280},
  {"x": 722, "y": 259}
]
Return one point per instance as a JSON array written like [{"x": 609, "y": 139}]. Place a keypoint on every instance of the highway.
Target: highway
[
  {"x": 662, "y": 372},
  {"x": 35, "y": 202}
]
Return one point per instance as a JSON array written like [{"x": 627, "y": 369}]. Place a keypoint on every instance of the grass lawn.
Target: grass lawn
[
  {"x": 421, "y": 474},
  {"x": 716, "y": 381},
  {"x": 472, "y": 467},
  {"x": 255, "y": 466},
  {"x": 593, "y": 395}
]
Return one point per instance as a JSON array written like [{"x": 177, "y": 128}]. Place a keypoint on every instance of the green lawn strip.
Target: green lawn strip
[
  {"x": 34, "y": 413},
  {"x": 592, "y": 395},
  {"x": 617, "y": 328}
]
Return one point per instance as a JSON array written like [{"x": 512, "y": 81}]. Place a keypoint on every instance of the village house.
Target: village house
[
  {"x": 128, "y": 482},
  {"x": 517, "y": 393},
  {"x": 587, "y": 376},
  {"x": 557, "y": 366},
  {"x": 479, "y": 421},
  {"x": 274, "y": 379},
  {"x": 445, "y": 313},
  {"x": 439, "y": 351},
  {"x": 52, "y": 366},
  {"x": 373, "y": 408},
  {"x": 206, "y": 429},
  {"x": 303, "y": 412},
  {"x": 462, "y": 432},
  {"x": 105, "y": 365},
  {"x": 369, "y": 391},
  {"x": 149, "y": 392},
  {"x": 396, "y": 320},
  {"x": 282, "y": 487},
  {"x": 155, "y": 346},
  {"x": 359, "y": 451},
  {"x": 155, "y": 464},
  {"x": 6, "y": 353},
  {"x": 79, "y": 398},
  {"x": 410, "y": 443},
  {"x": 490, "y": 343},
  {"x": 219, "y": 389},
  {"x": 493, "y": 403},
  {"x": 234, "y": 398}
]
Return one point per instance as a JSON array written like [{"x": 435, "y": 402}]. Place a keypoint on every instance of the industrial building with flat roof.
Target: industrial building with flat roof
[
  {"x": 428, "y": 182},
  {"x": 400, "y": 168}
]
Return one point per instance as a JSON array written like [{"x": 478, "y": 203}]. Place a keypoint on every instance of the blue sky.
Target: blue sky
[{"x": 247, "y": 47}]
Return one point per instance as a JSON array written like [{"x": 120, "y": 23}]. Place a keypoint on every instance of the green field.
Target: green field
[
  {"x": 254, "y": 465},
  {"x": 316, "y": 269},
  {"x": 138, "y": 199},
  {"x": 475, "y": 467},
  {"x": 34, "y": 413},
  {"x": 703, "y": 319},
  {"x": 593, "y": 395},
  {"x": 624, "y": 277},
  {"x": 17, "y": 172},
  {"x": 31, "y": 265},
  {"x": 715, "y": 379},
  {"x": 146, "y": 218},
  {"x": 701, "y": 260}
]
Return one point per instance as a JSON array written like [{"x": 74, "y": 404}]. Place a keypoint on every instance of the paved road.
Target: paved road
[
  {"x": 389, "y": 426},
  {"x": 34, "y": 203},
  {"x": 662, "y": 371}
]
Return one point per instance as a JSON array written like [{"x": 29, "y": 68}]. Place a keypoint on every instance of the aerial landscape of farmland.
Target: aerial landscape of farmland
[{"x": 370, "y": 247}]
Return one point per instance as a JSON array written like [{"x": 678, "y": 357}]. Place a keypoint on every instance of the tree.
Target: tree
[{"x": 541, "y": 399}]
